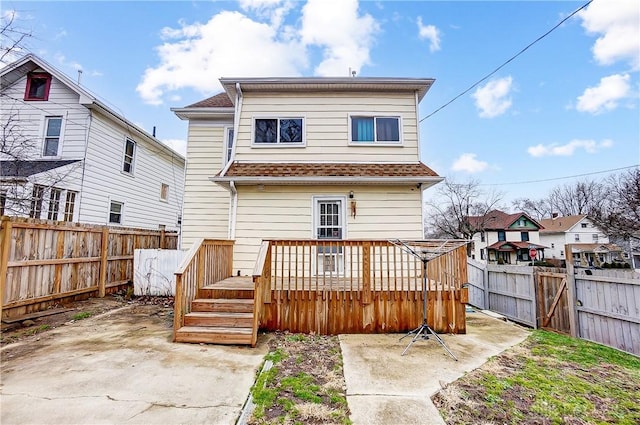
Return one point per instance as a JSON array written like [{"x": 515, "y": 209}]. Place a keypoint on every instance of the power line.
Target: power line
[
  {"x": 562, "y": 178},
  {"x": 506, "y": 62}
]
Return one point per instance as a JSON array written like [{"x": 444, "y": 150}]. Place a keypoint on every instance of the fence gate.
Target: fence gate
[{"x": 553, "y": 309}]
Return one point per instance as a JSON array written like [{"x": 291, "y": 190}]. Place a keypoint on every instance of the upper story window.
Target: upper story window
[
  {"x": 278, "y": 131},
  {"x": 524, "y": 236},
  {"x": 38, "y": 85},
  {"x": 595, "y": 237},
  {"x": 482, "y": 237},
  {"x": 228, "y": 144},
  {"x": 372, "y": 129},
  {"x": 52, "y": 132},
  {"x": 502, "y": 236},
  {"x": 583, "y": 225},
  {"x": 115, "y": 212},
  {"x": 129, "y": 156},
  {"x": 577, "y": 237}
]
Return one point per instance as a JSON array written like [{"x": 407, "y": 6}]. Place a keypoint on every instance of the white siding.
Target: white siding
[
  {"x": 206, "y": 205},
  {"x": 30, "y": 117},
  {"x": 104, "y": 180},
  {"x": 281, "y": 212},
  {"x": 327, "y": 126}
]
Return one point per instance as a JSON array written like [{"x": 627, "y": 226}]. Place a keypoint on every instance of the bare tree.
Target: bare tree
[
  {"x": 12, "y": 38},
  {"x": 446, "y": 215},
  {"x": 618, "y": 213},
  {"x": 537, "y": 209}
]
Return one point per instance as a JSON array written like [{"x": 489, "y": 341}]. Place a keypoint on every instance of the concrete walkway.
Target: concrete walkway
[
  {"x": 384, "y": 387},
  {"x": 123, "y": 368}
]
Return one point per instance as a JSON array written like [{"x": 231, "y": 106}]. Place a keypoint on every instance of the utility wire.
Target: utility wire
[
  {"x": 562, "y": 178},
  {"x": 507, "y": 61}
]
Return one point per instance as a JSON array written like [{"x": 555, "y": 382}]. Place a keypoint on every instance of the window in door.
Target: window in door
[
  {"x": 36, "y": 201},
  {"x": 69, "y": 205},
  {"x": 54, "y": 203},
  {"x": 329, "y": 222}
]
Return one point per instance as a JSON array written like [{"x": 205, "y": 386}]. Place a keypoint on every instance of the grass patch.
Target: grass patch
[
  {"x": 550, "y": 378},
  {"x": 305, "y": 385},
  {"x": 39, "y": 329},
  {"x": 81, "y": 315}
]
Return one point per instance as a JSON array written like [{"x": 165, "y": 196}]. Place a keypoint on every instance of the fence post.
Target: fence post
[
  {"x": 571, "y": 291},
  {"x": 162, "y": 239},
  {"x": 485, "y": 286},
  {"x": 104, "y": 248},
  {"x": 366, "y": 272},
  {"x": 5, "y": 246}
]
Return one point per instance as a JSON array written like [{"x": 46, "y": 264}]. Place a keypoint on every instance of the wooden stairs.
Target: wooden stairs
[{"x": 222, "y": 313}]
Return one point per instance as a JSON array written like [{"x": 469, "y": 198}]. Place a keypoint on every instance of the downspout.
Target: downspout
[
  {"x": 84, "y": 164},
  {"x": 232, "y": 187}
]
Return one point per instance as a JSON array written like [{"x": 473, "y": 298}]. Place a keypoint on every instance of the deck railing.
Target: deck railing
[
  {"x": 360, "y": 272},
  {"x": 208, "y": 261}
]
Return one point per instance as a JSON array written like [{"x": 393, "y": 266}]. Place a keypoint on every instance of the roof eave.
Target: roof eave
[
  {"x": 329, "y": 180},
  {"x": 202, "y": 113}
]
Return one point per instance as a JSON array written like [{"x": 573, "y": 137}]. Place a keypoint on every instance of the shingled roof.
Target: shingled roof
[
  {"x": 220, "y": 100},
  {"x": 22, "y": 169},
  {"x": 560, "y": 224},
  {"x": 497, "y": 220},
  {"x": 328, "y": 170}
]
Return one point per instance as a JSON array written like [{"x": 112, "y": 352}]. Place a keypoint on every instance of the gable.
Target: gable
[{"x": 523, "y": 223}]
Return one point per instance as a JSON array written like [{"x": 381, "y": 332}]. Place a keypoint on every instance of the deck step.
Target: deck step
[
  {"x": 222, "y": 305},
  {"x": 226, "y": 293},
  {"x": 214, "y": 335},
  {"x": 217, "y": 319}
]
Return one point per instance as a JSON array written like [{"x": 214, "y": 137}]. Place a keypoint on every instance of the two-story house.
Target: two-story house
[
  {"x": 305, "y": 158},
  {"x": 67, "y": 156},
  {"x": 590, "y": 246},
  {"x": 506, "y": 238}
]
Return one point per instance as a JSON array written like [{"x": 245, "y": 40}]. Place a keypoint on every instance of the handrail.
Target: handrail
[
  {"x": 186, "y": 261},
  {"x": 262, "y": 256}
]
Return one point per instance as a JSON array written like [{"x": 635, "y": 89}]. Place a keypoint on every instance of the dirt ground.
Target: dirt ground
[{"x": 71, "y": 312}]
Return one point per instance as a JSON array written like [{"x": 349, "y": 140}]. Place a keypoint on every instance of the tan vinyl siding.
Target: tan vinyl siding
[
  {"x": 285, "y": 212},
  {"x": 206, "y": 205},
  {"x": 327, "y": 126}
]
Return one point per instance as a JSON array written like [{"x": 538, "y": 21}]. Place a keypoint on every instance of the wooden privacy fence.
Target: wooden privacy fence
[
  {"x": 207, "y": 262},
  {"x": 599, "y": 305},
  {"x": 349, "y": 286},
  {"x": 43, "y": 262}
]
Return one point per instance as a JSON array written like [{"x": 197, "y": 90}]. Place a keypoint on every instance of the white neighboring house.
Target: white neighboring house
[
  {"x": 590, "y": 245},
  {"x": 69, "y": 157}
]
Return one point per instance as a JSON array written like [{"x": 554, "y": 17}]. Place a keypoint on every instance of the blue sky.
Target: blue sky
[{"x": 567, "y": 106}]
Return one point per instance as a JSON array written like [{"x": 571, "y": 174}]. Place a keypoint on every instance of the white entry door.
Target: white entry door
[{"x": 329, "y": 225}]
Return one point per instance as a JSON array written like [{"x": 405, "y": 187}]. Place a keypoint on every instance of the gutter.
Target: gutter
[
  {"x": 324, "y": 180},
  {"x": 233, "y": 213}
]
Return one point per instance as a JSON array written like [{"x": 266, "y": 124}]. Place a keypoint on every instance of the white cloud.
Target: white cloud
[
  {"x": 431, "y": 33},
  {"x": 467, "y": 162},
  {"x": 604, "y": 96},
  {"x": 493, "y": 99},
  {"x": 568, "y": 149},
  {"x": 617, "y": 24},
  {"x": 233, "y": 44},
  {"x": 229, "y": 45},
  {"x": 177, "y": 145},
  {"x": 344, "y": 35}
]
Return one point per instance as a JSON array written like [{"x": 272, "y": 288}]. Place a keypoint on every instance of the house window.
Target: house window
[
  {"x": 38, "y": 85},
  {"x": 129, "y": 155},
  {"x": 278, "y": 131},
  {"x": 482, "y": 237},
  {"x": 482, "y": 254},
  {"x": 53, "y": 127},
  {"x": 577, "y": 237},
  {"x": 524, "y": 236},
  {"x": 69, "y": 205},
  {"x": 36, "y": 201},
  {"x": 562, "y": 253},
  {"x": 375, "y": 129},
  {"x": 54, "y": 203},
  {"x": 115, "y": 212},
  {"x": 522, "y": 222},
  {"x": 583, "y": 225},
  {"x": 553, "y": 245},
  {"x": 164, "y": 191},
  {"x": 229, "y": 144},
  {"x": 3, "y": 201},
  {"x": 595, "y": 237},
  {"x": 502, "y": 236}
]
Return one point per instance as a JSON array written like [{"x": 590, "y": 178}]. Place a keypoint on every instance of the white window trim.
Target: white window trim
[
  {"x": 112, "y": 201},
  {"x": 376, "y": 143},
  {"x": 226, "y": 144},
  {"x": 278, "y": 145},
  {"x": 133, "y": 159},
  {"x": 43, "y": 132},
  {"x": 314, "y": 214}
]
